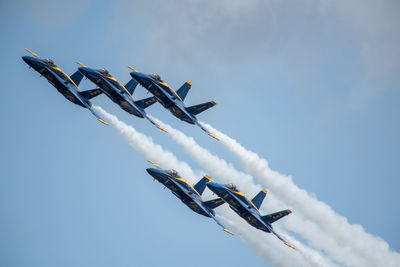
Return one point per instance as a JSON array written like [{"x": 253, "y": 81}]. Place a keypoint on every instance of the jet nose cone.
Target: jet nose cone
[
  {"x": 152, "y": 171},
  {"x": 212, "y": 186},
  {"x": 84, "y": 70},
  {"x": 137, "y": 75},
  {"x": 28, "y": 59}
]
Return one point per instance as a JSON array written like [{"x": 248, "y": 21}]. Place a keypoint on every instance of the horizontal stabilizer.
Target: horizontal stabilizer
[
  {"x": 273, "y": 217},
  {"x": 201, "y": 185},
  {"x": 212, "y": 204},
  {"x": 131, "y": 85},
  {"x": 258, "y": 199},
  {"x": 77, "y": 77},
  {"x": 182, "y": 92},
  {"x": 145, "y": 103},
  {"x": 90, "y": 93},
  {"x": 196, "y": 109}
]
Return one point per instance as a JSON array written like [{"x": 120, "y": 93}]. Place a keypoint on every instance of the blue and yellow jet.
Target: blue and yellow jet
[
  {"x": 171, "y": 99},
  {"x": 248, "y": 209},
  {"x": 65, "y": 84},
  {"x": 189, "y": 195},
  {"x": 118, "y": 93}
]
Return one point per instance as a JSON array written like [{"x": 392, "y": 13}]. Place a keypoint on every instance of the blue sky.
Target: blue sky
[{"x": 313, "y": 87}]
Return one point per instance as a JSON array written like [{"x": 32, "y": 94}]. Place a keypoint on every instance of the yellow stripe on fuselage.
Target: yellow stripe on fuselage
[
  {"x": 241, "y": 194},
  {"x": 172, "y": 90},
  {"x": 66, "y": 75},
  {"x": 183, "y": 180},
  {"x": 115, "y": 80}
]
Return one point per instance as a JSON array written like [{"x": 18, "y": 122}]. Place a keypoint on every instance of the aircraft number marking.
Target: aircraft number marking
[{"x": 150, "y": 101}]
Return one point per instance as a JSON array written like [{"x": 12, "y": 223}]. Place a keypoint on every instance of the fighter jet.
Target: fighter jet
[
  {"x": 248, "y": 209},
  {"x": 171, "y": 100},
  {"x": 66, "y": 85},
  {"x": 188, "y": 194},
  {"x": 119, "y": 94}
]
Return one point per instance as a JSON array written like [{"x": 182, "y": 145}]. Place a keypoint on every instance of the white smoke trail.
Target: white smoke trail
[
  {"x": 270, "y": 249},
  {"x": 220, "y": 168},
  {"x": 353, "y": 246},
  {"x": 301, "y": 223}
]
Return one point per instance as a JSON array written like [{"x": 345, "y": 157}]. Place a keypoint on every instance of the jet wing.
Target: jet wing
[
  {"x": 153, "y": 122},
  {"x": 280, "y": 238},
  {"x": 155, "y": 164},
  {"x": 99, "y": 118},
  {"x": 220, "y": 224},
  {"x": 204, "y": 129},
  {"x": 32, "y": 52}
]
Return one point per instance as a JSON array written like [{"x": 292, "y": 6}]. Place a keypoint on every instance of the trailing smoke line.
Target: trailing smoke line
[
  {"x": 354, "y": 245},
  {"x": 268, "y": 247},
  {"x": 302, "y": 224}
]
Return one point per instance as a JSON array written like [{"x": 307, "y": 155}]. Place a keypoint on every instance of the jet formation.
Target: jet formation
[
  {"x": 188, "y": 194},
  {"x": 118, "y": 93},
  {"x": 122, "y": 95}
]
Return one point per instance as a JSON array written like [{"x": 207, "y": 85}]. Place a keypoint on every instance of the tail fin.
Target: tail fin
[
  {"x": 131, "y": 85},
  {"x": 273, "y": 217},
  {"x": 182, "y": 92},
  {"x": 90, "y": 93},
  {"x": 77, "y": 77},
  {"x": 212, "y": 204},
  {"x": 258, "y": 199},
  {"x": 145, "y": 103},
  {"x": 201, "y": 185},
  {"x": 196, "y": 109}
]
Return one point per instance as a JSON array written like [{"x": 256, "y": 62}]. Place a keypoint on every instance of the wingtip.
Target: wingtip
[
  {"x": 213, "y": 136},
  {"x": 100, "y": 120},
  {"x": 31, "y": 52},
  {"x": 153, "y": 163},
  {"x": 229, "y": 232},
  {"x": 77, "y": 62},
  {"x": 289, "y": 245},
  {"x": 208, "y": 177},
  {"x": 162, "y": 129},
  {"x": 190, "y": 83},
  {"x": 132, "y": 69}
]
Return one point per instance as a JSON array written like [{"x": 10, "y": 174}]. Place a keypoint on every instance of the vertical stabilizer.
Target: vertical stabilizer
[
  {"x": 259, "y": 198},
  {"x": 182, "y": 92},
  {"x": 77, "y": 77},
  {"x": 201, "y": 185},
  {"x": 131, "y": 85}
]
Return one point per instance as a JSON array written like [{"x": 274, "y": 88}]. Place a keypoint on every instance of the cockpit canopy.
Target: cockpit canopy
[
  {"x": 174, "y": 173},
  {"x": 104, "y": 72},
  {"x": 232, "y": 187},
  {"x": 49, "y": 62},
  {"x": 156, "y": 77}
]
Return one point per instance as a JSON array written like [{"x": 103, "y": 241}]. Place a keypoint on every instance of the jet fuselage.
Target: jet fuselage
[
  {"x": 165, "y": 95},
  {"x": 58, "y": 78},
  {"x": 182, "y": 190},
  {"x": 113, "y": 89},
  {"x": 240, "y": 204}
]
